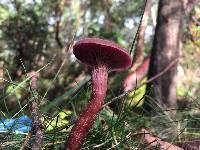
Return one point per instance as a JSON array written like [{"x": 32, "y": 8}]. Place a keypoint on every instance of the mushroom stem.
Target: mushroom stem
[{"x": 87, "y": 118}]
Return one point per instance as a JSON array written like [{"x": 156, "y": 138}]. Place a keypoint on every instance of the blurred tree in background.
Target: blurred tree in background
[{"x": 166, "y": 48}]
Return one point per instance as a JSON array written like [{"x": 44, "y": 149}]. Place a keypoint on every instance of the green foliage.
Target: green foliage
[
  {"x": 136, "y": 98},
  {"x": 61, "y": 119},
  {"x": 181, "y": 91},
  {"x": 25, "y": 32}
]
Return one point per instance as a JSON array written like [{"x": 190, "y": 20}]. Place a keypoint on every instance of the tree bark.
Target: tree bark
[
  {"x": 138, "y": 55},
  {"x": 165, "y": 49}
]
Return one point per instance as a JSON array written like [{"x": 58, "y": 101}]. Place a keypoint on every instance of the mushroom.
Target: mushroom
[{"x": 102, "y": 56}]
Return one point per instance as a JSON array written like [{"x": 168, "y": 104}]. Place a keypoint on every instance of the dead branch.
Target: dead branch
[{"x": 154, "y": 141}]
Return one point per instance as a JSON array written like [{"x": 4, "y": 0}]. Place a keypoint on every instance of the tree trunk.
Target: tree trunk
[
  {"x": 165, "y": 49},
  {"x": 139, "y": 49}
]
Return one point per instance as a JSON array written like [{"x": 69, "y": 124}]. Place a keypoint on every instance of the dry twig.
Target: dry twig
[{"x": 37, "y": 128}]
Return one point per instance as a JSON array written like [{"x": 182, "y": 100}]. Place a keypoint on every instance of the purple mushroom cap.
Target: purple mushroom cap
[{"x": 95, "y": 51}]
